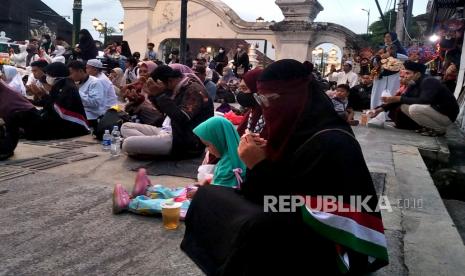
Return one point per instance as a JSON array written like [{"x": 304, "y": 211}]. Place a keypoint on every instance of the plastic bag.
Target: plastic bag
[
  {"x": 378, "y": 121},
  {"x": 233, "y": 118},
  {"x": 205, "y": 173}
]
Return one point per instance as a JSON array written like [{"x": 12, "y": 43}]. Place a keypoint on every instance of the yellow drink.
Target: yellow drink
[{"x": 170, "y": 212}]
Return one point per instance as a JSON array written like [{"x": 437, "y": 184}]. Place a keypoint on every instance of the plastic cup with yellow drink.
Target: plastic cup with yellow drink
[{"x": 170, "y": 213}]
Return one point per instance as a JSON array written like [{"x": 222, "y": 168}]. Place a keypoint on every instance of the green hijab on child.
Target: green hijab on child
[{"x": 221, "y": 133}]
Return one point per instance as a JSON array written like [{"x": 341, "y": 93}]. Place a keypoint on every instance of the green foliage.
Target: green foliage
[
  {"x": 377, "y": 30},
  {"x": 110, "y": 31}
]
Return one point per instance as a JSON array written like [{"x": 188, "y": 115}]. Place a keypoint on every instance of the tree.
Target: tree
[
  {"x": 378, "y": 29},
  {"x": 111, "y": 31}
]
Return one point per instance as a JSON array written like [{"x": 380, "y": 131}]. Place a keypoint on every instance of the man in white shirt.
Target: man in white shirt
[
  {"x": 94, "y": 68},
  {"x": 91, "y": 91},
  {"x": 346, "y": 76}
]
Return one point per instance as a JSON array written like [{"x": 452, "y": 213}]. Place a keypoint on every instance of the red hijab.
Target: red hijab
[
  {"x": 289, "y": 79},
  {"x": 250, "y": 79}
]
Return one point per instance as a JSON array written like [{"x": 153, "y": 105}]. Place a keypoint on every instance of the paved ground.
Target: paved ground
[
  {"x": 422, "y": 241},
  {"x": 59, "y": 221}
]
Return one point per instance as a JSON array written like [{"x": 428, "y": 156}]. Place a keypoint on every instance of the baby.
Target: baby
[{"x": 341, "y": 104}]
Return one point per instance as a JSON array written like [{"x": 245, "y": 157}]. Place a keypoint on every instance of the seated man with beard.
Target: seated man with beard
[{"x": 426, "y": 101}]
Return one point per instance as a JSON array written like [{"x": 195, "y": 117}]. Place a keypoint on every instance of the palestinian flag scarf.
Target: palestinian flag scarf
[{"x": 350, "y": 221}]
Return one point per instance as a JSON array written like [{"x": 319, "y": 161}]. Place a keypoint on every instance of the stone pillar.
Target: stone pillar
[
  {"x": 295, "y": 32},
  {"x": 138, "y": 23},
  {"x": 253, "y": 56},
  {"x": 299, "y": 10},
  {"x": 293, "y": 44}
]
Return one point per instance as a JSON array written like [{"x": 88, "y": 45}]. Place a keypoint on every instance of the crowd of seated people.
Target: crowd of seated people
[
  {"x": 293, "y": 134},
  {"x": 395, "y": 87},
  {"x": 409, "y": 98}
]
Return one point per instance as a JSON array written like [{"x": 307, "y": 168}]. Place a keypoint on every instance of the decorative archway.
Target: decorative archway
[
  {"x": 331, "y": 55},
  {"x": 338, "y": 35},
  {"x": 158, "y": 20}
]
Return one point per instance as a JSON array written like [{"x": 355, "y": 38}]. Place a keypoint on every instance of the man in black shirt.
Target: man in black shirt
[
  {"x": 241, "y": 61},
  {"x": 426, "y": 101}
]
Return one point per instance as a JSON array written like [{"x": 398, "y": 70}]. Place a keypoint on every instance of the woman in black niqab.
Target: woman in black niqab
[
  {"x": 310, "y": 151},
  {"x": 125, "y": 49},
  {"x": 86, "y": 49}
]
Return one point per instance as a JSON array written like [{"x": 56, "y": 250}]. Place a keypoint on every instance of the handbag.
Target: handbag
[{"x": 110, "y": 119}]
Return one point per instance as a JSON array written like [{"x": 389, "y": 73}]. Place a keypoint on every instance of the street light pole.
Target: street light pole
[
  {"x": 322, "y": 67},
  {"x": 102, "y": 27},
  {"x": 183, "y": 36},
  {"x": 77, "y": 11},
  {"x": 368, "y": 24}
]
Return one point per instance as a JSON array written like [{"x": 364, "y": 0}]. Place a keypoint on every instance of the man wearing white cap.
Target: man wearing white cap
[
  {"x": 346, "y": 76},
  {"x": 94, "y": 68}
]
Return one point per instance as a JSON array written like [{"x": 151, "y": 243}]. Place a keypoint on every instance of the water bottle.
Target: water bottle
[
  {"x": 115, "y": 142},
  {"x": 386, "y": 93},
  {"x": 106, "y": 142}
]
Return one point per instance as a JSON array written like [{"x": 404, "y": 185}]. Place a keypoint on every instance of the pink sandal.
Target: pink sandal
[
  {"x": 141, "y": 184},
  {"x": 120, "y": 199}
]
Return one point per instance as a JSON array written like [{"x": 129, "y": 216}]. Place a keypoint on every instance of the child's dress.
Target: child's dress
[{"x": 150, "y": 204}]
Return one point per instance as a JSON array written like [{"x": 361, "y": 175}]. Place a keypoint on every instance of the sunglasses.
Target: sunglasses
[{"x": 264, "y": 100}]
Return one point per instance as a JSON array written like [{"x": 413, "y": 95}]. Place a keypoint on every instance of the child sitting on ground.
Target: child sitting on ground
[
  {"x": 221, "y": 139},
  {"x": 341, "y": 104}
]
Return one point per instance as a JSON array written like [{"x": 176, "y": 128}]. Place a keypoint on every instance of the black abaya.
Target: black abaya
[{"x": 228, "y": 232}]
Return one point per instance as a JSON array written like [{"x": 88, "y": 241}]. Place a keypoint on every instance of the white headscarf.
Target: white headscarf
[
  {"x": 20, "y": 59},
  {"x": 13, "y": 79},
  {"x": 119, "y": 80},
  {"x": 59, "y": 52}
]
